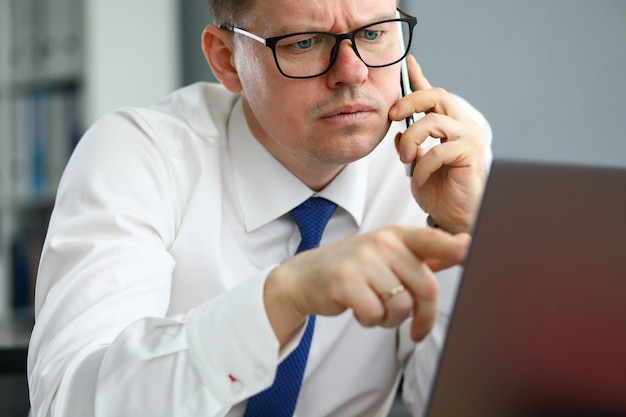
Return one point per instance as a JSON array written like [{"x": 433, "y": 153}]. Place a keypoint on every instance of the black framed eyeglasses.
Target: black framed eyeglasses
[{"x": 311, "y": 54}]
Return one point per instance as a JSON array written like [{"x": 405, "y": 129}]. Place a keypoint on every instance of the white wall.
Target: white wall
[
  {"x": 143, "y": 55},
  {"x": 550, "y": 75}
]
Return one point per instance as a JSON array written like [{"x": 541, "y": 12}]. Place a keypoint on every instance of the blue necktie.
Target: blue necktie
[{"x": 280, "y": 399}]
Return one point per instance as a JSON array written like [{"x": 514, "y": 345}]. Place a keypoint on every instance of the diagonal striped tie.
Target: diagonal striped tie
[{"x": 280, "y": 399}]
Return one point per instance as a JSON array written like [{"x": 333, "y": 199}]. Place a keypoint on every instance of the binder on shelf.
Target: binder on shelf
[
  {"x": 5, "y": 151},
  {"x": 39, "y": 141},
  {"x": 21, "y": 136},
  {"x": 75, "y": 115},
  {"x": 58, "y": 124},
  {"x": 45, "y": 130},
  {"x": 25, "y": 254}
]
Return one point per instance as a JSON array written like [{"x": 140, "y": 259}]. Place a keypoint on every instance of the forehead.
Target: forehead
[{"x": 271, "y": 16}]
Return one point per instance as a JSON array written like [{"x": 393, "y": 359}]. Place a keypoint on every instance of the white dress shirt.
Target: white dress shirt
[{"x": 149, "y": 298}]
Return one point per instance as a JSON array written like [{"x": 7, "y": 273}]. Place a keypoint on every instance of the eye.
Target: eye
[
  {"x": 306, "y": 43},
  {"x": 371, "y": 35}
]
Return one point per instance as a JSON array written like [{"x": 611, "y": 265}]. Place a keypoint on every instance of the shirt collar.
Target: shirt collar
[{"x": 268, "y": 190}]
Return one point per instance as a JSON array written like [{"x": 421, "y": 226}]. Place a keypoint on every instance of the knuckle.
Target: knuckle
[
  {"x": 431, "y": 117},
  {"x": 385, "y": 239},
  {"x": 440, "y": 91},
  {"x": 370, "y": 317},
  {"x": 437, "y": 151}
]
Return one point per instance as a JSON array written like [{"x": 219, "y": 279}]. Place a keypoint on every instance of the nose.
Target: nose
[{"x": 348, "y": 68}]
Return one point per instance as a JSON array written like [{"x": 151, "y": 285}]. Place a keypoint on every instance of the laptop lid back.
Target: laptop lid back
[{"x": 539, "y": 326}]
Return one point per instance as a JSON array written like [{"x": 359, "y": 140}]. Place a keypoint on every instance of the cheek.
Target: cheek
[
  {"x": 386, "y": 83},
  {"x": 277, "y": 109},
  {"x": 391, "y": 90},
  {"x": 273, "y": 102}
]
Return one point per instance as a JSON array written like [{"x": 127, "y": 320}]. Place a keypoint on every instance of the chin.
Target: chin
[{"x": 352, "y": 150}]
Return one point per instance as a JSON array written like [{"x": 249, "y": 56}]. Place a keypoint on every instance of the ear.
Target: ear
[{"x": 217, "y": 46}]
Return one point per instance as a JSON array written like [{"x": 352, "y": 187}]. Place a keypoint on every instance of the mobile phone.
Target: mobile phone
[{"x": 405, "y": 89}]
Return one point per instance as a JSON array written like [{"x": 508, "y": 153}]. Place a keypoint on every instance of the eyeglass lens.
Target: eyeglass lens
[{"x": 310, "y": 54}]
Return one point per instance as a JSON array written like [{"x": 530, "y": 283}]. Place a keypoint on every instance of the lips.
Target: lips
[{"x": 348, "y": 110}]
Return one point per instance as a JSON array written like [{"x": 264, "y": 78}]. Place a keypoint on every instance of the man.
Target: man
[{"x": 168, "y": 283}]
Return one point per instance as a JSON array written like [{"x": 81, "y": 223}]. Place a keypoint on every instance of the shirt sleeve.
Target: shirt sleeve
[{"x": 102, "y": 343}]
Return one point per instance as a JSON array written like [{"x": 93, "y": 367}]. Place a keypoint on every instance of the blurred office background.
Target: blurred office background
[{"x": 547, "y": 74}]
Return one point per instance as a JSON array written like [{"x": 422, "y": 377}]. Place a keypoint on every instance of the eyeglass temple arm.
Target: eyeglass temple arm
[{"x": 243, "y": 32}]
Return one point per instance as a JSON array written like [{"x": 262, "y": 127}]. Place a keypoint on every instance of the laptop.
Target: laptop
[{"x": 539, "y": 325}]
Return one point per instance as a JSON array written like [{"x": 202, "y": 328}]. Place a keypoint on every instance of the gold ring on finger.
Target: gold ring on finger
[{"x": 392, "y": 293}]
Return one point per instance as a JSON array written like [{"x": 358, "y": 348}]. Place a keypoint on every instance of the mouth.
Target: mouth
[
  {"x": 349, "y": 113},
  {"x": 348, "y": 110}
]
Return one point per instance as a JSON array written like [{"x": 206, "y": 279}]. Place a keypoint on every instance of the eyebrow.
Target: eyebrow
[{"x": 292, "y": 28}]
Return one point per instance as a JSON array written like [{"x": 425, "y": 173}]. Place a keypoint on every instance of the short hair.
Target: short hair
[
  {"x": 230, "y": 12},
  {"x": 233, "y": 12}
]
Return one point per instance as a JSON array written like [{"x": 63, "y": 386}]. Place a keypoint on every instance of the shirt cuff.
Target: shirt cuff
[{"x": 233, "y": 345}]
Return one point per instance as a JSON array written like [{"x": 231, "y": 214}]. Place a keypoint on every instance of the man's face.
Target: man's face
[{"x": 318, "y": 124}]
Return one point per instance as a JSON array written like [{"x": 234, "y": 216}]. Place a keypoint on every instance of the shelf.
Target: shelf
[{"x": 64, "y": 64}]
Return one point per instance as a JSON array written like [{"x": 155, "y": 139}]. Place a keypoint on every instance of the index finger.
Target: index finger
[
  {"x": 437, "y": 248},
  {"x": 416, "y": 76}
]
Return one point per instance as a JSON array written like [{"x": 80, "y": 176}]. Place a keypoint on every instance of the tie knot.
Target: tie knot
[{"x": 311, "y": 218}]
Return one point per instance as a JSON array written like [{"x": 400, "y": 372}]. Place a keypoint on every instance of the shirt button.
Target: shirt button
[
  {"x": 236, "y": 387},
  {"x": 261, "y": 374}
]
